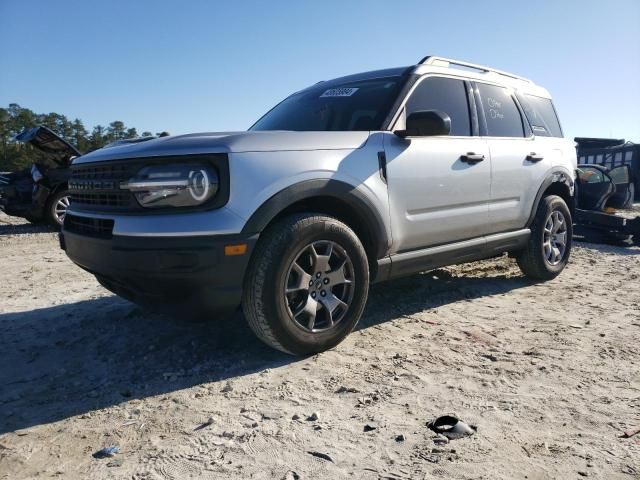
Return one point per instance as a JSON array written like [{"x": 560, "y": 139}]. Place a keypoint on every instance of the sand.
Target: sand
[{"x": 548, "y": 373}]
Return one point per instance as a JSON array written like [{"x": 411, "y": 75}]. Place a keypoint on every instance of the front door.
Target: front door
[
  {"x": 439, "y": 186},
  {"x": 593, "y": 188}
]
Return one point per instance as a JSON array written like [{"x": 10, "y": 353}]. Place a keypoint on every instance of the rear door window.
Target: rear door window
[
  {"x": 500, "y": 111},
  {"x": 447, "y": 95},
  {"x": 541, "y": 115},
  {"x": 620, "y": 175}
]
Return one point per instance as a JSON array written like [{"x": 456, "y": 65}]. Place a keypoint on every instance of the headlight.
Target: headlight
[
  {"x": 174, "y": 185},
  {"x": 36, "y": 175}
]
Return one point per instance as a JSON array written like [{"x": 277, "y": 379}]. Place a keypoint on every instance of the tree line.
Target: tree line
[{"x": 15, "y": 119}]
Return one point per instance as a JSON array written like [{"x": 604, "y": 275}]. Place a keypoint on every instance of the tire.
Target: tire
[
  {"x": 55, "y": 206},
  {"x": 535, "y": 261},
  {"x": 288, "y": 310}
]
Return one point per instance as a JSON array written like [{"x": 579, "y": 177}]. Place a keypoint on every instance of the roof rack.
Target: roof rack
[{"x": 447, "y": 62}]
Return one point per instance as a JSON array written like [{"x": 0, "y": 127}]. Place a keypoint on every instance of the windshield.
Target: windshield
[{"x": 329, "y": 106}]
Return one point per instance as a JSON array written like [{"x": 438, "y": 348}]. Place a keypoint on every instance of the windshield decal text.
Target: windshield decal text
[{"x": 339, "y": 92}]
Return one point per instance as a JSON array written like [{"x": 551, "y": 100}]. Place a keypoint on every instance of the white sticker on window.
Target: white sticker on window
[{"x": 339, "y": 92}]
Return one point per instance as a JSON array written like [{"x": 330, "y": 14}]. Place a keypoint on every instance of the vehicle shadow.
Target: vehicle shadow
[
  {"x": 429, "y": 290},
  {"x": 23, "y": 228},
  {"x": 67, "y": 360}
]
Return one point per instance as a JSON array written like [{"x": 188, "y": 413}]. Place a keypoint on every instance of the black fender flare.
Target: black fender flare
[
  {"x": 557, "y": 175},
  {"x": 337, "y": 189}
]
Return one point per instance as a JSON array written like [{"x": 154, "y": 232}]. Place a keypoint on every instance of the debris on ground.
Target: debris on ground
[
  {"x": 450, "y": 427},
  {"x": 107, "y": 452},
  {"x": 630, "y": 433},
  {"x": 227, "y": 388},
  {"x": 115, "y": 462},
  {"x": 344, "y": 389},
  {"x": 205, "y": 424},
  {"x": 321, "y": 455}
]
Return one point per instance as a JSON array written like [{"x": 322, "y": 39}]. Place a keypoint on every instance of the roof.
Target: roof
[{"x": 447, "y": 66}]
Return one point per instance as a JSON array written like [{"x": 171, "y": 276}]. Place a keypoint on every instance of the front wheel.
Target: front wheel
[
  {"x": 549, "y": 245},
  {"x": 57, "y": 208},
  {"x": 307, "y": 284}
]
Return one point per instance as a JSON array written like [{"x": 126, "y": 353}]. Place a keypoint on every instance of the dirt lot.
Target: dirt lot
[{"x": 548, "y": 373}]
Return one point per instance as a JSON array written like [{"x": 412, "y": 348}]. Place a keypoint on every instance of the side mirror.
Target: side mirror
[{"x": 426, "y": 123}]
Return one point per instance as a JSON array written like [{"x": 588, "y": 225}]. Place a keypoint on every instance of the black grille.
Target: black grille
[
  {"x": 104, "y": 199},
  {"x": 98, "y": 187},
  {"x": 94, "y": 227}
]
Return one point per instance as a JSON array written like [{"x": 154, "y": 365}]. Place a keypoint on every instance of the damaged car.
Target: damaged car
[
  {"x": 40, "y": 194},
  {"x": 604, "y": 202}
]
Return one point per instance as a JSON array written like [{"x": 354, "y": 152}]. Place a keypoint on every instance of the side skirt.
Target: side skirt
[{"x": 407, "y": 263}]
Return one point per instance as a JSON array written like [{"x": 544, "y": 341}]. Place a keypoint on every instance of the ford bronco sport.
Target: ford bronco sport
[{"x": 355, "y": 180}]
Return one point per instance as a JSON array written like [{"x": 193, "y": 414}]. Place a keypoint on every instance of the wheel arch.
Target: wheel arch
[
  {"x": 60, "y": 186},
  {"x": 557, "y": 182},
  {"x": 330, "y": 197}
]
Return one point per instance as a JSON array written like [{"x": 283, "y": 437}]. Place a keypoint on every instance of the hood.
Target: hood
[
  {"x": 59, "y": 150},
  {"x": 229, "y": 142}
]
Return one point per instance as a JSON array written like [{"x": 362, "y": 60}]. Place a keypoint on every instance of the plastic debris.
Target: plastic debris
[
  {"x": 450, "y": 427},
  {"x": 323, "y": 456},
  {"x": 107, "y": 452}
]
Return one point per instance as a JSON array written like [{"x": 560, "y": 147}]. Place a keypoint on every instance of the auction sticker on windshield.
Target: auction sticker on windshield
[{"x": 339, "y": 92}]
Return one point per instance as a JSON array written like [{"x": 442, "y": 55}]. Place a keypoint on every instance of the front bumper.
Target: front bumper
[
  {"x": 15, "y": 201},
  {"x": 187, "y": 272}
]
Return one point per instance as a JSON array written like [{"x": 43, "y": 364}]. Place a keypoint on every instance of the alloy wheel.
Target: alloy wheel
[
  {"x": 554, "y": 241},
  {"x": 319, "y": 286},
  {"x": 60, "y": 209}
]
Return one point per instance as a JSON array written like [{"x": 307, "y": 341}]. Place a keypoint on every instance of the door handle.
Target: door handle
[
  {"x": 472, "y": 158},
  {"x": 534, "y": 157}
]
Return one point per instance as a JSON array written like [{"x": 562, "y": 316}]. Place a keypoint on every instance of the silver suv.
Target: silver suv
[{"x": 356, "y": 180}]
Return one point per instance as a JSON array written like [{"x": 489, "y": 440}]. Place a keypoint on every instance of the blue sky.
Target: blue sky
[{"x": 207, "y": 66}]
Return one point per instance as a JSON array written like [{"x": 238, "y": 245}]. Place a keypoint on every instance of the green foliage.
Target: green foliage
[{"x": 14, "y": 119}]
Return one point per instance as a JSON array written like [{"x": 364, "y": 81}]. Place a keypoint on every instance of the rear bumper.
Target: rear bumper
[{"x": 158, "y": 271}]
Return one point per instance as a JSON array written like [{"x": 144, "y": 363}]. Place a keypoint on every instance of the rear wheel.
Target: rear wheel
[
  {"x": 307, "y": 284},
  {"x": 549, "y": 245}
]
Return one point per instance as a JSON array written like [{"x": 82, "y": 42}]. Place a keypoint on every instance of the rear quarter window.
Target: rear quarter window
[{"x": 541, "y": 115}]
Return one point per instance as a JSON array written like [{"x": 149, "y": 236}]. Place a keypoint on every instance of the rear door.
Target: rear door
[
  {"x": 519, "y": 162},
  {"x": 437, "y": 194}
]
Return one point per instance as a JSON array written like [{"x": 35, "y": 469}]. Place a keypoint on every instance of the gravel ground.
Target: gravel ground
[{"x": 548, "y": 373}]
